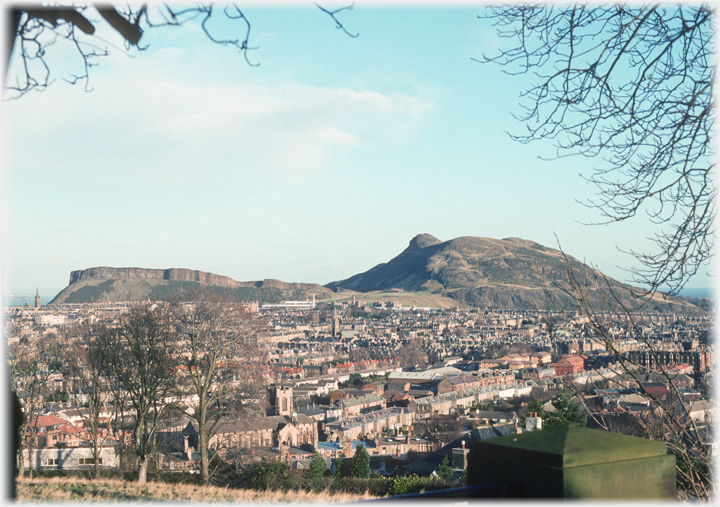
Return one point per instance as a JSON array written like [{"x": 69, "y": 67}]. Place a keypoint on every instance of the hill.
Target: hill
[
  {"x": 466, "y": 272},
  {"x": 105, "y": 284},
  {"x": 485, "y": 272}
]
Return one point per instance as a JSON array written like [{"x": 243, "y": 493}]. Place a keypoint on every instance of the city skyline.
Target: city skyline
[{"x": 319, "y": 163}]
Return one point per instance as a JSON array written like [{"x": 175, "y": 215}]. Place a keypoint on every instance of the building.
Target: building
[
  {"x": 701, "y": 360},
  {"x": 70, "y": 458},
  {"x": 568, "y": 364}
]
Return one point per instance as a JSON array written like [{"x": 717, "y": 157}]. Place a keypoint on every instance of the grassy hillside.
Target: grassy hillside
[
  {"x": 492, "y": 273},
  {"x": 58, "y": 489},
  {"x": 99, "y": 291}
]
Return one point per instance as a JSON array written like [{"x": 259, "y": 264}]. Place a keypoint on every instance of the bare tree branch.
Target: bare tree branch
[
  {"x": 338, "y": 23},
  {"x": 634, "y": 87},
  {"x": 34, "y": 30}
]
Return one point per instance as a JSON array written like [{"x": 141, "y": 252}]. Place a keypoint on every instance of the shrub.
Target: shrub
[
  {"x": 317, "y": 468},
  {"x": 445, "y": 472},
  {"x": 405, "y": 484},
  {"x": 360, "y": 463},
  {"x": 377, "y": 486},
  {"x": 272, "y": 476}
]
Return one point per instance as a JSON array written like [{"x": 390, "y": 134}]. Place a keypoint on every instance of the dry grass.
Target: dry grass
[{"x": 114, "y": 490}]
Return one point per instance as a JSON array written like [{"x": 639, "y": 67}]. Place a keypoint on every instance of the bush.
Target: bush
[
  {"x": 377, "y": 486},
  {"x": 405, "y": 484},
  {"x": 272, "y": 476},
  {"x": 445, "y": 472},
  {"x": 317, "y": 468},
  {"x": 389, "y": 486}
]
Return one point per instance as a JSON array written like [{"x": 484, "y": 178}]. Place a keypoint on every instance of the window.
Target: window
[
  {"x": 89, "y": 461},
  {"x": 49, "y": 462}
]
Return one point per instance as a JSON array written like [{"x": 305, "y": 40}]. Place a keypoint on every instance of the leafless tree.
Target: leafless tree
[
  {"x": 140, "y": 356},
  {"x": 213, "y": 331},
  {"x": 667, "y": 419},
  {"x": 35, "y": 29},
  {"x": 86, "y": 368},
  {"x": 28, "y": 377},
  {"x": 632, "y": 86}
]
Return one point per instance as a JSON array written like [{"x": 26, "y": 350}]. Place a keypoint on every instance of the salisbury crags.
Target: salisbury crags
[
  {"x": 179, "y": 274},
  {"x": 106, "y": 284},
  {"x": 187, "y": 275}
]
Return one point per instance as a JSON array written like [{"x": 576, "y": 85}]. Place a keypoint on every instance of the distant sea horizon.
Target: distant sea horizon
[
  {"x": 20, "y": 297},
  {"x": 701, "y": 292}
]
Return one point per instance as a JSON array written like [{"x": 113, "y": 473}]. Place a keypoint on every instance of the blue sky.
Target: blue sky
[{"x": 319, "y": 163}]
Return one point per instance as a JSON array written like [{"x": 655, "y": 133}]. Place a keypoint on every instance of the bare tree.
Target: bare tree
[
  {"x": 139, "y": 355},
  {"x": 214, "y": 330},
  {"x": 119, "y": 398},
  {"x": 28, "y": 377},
  {"x": 86, "y": 367},
  {"x": 34, "y": 29},
  {"x": 667, "y": 418},
  {"x": 631, "y": 85}
]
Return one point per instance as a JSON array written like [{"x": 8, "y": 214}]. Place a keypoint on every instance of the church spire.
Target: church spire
[{"x": 37, "y": 298}]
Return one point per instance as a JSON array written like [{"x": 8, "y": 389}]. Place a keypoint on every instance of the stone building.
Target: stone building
[{"x": 273, "y": 431}]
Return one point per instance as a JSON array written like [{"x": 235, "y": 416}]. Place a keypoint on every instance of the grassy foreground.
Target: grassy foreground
[{"x": 62, "y": 489}]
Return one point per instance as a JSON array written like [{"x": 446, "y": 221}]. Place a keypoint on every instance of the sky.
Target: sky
[{"x": 322, "y": 159}]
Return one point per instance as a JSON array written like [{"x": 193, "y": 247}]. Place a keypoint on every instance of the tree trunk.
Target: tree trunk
[
  {"x": 142, "y": 470},
  {"x": 204, "y": 466},
  {"x": 96, "y": 455},
  {"x": 30, "y": 459},
  {"x": 21, "y": 463},
  {"x": 155, "y": 453}
]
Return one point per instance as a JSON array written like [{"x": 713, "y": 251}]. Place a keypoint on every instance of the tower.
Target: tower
[
  {"x": 283, "y": 401},
  {"x": 37, "y": 298},
  {"x": 335, "y": 323}
]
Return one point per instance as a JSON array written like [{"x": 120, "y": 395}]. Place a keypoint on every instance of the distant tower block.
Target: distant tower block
[
  {"x": 37, "y": 298},
  {"x": 284, "y": 401}
]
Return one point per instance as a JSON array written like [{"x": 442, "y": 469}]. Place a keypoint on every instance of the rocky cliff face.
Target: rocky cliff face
[
  {"x": 186, "y": 275},
  {"x": 183, "y": 275}
]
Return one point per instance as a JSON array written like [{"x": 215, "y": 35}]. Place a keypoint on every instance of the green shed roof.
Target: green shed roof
[{"x": 571, "y": 446}]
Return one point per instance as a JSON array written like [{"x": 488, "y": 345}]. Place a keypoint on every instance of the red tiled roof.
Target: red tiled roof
[{"x": 48, "y": 420}]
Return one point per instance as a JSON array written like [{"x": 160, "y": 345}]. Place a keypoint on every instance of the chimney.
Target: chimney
[
  {"x": 533, "y": 422},
  {"x": 347, "y": 450}
]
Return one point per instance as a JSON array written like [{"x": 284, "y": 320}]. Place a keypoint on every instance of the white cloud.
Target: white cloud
[
  {"x": 336, "y": 136},
  {"x": 292, "y": 128},
  {"x": 152, "y": 119}
]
